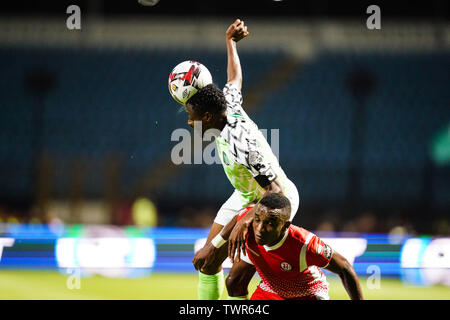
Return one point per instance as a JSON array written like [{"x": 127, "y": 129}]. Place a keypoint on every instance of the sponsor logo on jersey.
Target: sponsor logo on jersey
[{"x": 285, "y": 266}]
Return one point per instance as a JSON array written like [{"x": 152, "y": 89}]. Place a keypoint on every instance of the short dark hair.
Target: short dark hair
[
  {"x": 277, "y": 201},
  {"x": 209, "y": 98}
]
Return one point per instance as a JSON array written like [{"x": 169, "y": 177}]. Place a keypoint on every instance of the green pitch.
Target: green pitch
[{"x": 53, "y": 285}]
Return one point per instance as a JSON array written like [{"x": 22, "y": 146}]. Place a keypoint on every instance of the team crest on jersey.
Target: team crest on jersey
[
  {"x": 285, "y": 266},
  {"x": 327, "y": 252}
]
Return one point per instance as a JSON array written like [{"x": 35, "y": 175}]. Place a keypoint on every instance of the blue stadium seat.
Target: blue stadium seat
[{"x": 115, "y": 102}]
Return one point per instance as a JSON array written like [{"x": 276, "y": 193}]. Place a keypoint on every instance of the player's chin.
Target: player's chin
[{"x": 260, "y": 240}]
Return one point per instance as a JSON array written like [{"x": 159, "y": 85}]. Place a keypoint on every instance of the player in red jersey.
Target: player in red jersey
[{"x": 288, "y": 258}]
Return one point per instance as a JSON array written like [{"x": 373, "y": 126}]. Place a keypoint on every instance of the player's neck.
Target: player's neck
[
  {"x": 221, "y": 123},
  {"x": 279, "y": 239}
]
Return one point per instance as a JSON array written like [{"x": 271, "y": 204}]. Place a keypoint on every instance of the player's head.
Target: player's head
[
  {"x": 271, "y": 218},
  {"x": 207, "y": 105}
]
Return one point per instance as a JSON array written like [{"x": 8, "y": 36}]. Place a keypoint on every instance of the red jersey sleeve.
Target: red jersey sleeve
[
  {"x": 318, "y": 253},
  {"x": 243, "y": 212}
]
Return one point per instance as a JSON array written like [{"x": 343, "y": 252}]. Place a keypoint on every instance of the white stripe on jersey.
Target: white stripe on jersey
[{"x": 303, "y": 264}]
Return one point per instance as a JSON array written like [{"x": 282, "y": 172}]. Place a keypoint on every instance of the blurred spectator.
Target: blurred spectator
[
  {"x": 441, "y": 227},
  {"x": 397, "y": 234},
  {"x": 12, "y": 219},
  {"x": 328, "y": 223},
  {"x": 35, "y": 220},
  {"x": 2, "y": 214},
  {"x": 366, "y": 223},
  {"x": 196, "y": 218},
  {"x": 204, "y": 218},
  {"x": 52, "y": 219},
  {"x": 144, "y": 213},
  {"x": 326, "y": 226},
  {"x": 123, "y": 216}
]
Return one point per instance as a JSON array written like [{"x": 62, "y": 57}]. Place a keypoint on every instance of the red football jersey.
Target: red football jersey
[{"x": 291, "y": 268}]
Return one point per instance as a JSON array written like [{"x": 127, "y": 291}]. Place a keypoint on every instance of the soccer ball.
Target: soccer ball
[
  {"x": 186, "y": 79},
  {"x": 149, "y": 3}
]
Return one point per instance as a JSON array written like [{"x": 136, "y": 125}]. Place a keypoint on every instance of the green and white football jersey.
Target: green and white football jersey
[{"x": 246, "y": 156}]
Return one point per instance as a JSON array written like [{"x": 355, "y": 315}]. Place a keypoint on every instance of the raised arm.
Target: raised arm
[{"x": 235, "y": 32}]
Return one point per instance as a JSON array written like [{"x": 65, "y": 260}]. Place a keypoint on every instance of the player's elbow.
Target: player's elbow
[
  {"x": 234, "y": 286},
  {"x": 346, "y": 269},
  {"x": 274, "y": 187}
]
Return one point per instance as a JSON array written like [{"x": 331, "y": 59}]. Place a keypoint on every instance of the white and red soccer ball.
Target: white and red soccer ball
[{"x": 186, "y": 79}]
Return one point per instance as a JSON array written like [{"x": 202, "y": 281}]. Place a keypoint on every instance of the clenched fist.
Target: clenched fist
[{"x": 237, "y": 31}]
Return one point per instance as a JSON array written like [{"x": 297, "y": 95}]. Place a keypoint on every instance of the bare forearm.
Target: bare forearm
[
  {"x": 226, "y": 231},
  {"x": 351, "y": 284},
  {"x": 234, "y": 71}
]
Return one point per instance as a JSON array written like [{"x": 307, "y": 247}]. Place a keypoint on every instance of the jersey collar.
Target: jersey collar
[{"x": 279, "y": 244}]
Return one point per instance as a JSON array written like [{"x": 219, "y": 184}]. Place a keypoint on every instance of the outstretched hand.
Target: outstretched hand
[
  {"x": 236, "y": 242},
  {"x": 237, "y": 31}
]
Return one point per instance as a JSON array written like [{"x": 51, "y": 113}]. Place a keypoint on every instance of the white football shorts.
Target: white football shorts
[{"x": 233, "y": 205}]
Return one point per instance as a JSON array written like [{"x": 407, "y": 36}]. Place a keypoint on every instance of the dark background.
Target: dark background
[
  {"x": 418, "y": 211},
  {"x": 264, "y": 8}
]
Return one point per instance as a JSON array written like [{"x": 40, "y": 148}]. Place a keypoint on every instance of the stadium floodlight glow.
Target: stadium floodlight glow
[
  {"x": 425, "y": 261},
  {"x": 436, "y": 262},
  {"x": 110, "y": 257},
  {"x": 5, "y": 242}
]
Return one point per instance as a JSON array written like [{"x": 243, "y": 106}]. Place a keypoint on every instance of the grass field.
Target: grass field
[{"x": 53, "y": 285}]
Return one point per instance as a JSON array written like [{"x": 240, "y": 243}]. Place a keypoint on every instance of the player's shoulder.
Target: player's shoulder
[
  {"x": 231, "y": 88},
  {"x": 233, "y": 95},
  {"x": 300, "y": 234},
  {"x": 239, "y": 127}
]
